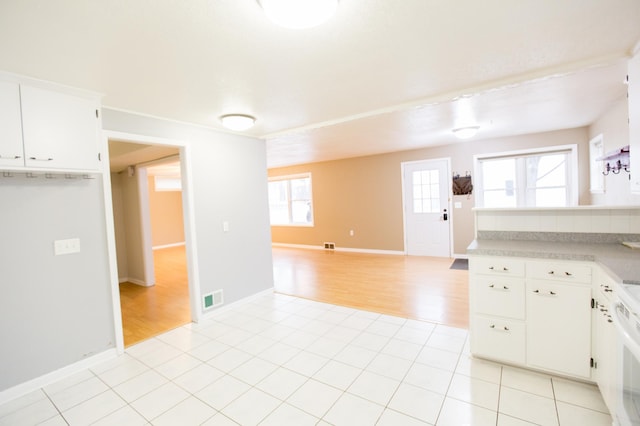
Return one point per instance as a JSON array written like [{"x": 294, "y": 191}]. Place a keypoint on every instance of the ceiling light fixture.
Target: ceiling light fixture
[
  {"x": 466, "y": 132},
  {"x": 299, "y": 14},
  {"x": 237, "y": 122}
]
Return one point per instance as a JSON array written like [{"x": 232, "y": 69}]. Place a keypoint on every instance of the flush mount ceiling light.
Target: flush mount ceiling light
[
  {"x": 237, "y": 122},
  {"x": 466, "y": 132},
  {"x": 299, "y": 14}
]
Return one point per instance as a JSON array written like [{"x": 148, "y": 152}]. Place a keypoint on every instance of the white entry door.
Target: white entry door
[{"x": 427, "y": 214}]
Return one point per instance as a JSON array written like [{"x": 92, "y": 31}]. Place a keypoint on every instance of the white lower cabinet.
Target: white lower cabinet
[
  {"x": 534, "y": 314},
  {"x": 604, "y": 345},
  {"x": 559, "y": 327}
]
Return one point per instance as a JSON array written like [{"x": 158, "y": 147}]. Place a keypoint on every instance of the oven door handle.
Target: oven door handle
[{"x": 627, "y": 335}]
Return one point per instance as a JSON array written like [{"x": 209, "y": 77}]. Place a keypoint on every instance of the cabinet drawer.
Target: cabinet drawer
[
  {"x": 502, "y": 266},
  {"x": 498, "y": 338},
  {"x": 559, "y": 271},
  {"x": 499, "y": 296}
]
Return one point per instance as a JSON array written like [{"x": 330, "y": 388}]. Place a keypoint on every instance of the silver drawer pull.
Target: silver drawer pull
[
  {"x": 504, "y": 268},
  {"x": 41, "y": 159},
  {"x": 11, "y": 157},
  {"x": 493, "y": 286},
  {"x": 503, "y": 328},
  {"x": 566, "y": 274},
  {"x": 551, "y": 293}
]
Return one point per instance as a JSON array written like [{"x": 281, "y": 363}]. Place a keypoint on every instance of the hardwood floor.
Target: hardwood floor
[
  {"x": 410, "y": 286},
  {"x": 149, "y": 311}
]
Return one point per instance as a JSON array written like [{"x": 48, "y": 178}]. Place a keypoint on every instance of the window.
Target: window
[
  {"x": 596, "y": 150},
  {"x": 536, "y": 178},
  {"x": 167, "y": 183},
  {"x": 290, "y": 200}
]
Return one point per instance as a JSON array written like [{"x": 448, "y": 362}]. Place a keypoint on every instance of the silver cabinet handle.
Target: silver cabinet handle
[
  {"x": 11, "y": 157},
  {"x": 504, "y": 287},
  {"x": 503, "y": 328},
  {"x": 41, "y": 159},
  {"x": 566, "y": 274}
]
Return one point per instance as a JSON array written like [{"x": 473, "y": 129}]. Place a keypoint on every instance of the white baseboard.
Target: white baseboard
[
  {"x": 168, "y": 246},
  {"x": 133, "y": 281},
  {"x": 49, "y": 378},
  {"x": 344, "y": 249}
]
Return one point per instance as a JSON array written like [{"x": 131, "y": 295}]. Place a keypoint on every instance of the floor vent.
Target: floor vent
[
  {"x": 211, "y": 300},
  {"x": 330, "y": 246}
]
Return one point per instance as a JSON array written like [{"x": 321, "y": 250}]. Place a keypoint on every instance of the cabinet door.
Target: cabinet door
[
  {"x": 11, "y": 153},
  {"x": 60, "y": 130},
  {"x": 634, "y": 121},
  {"x": 559, "y": 327}
]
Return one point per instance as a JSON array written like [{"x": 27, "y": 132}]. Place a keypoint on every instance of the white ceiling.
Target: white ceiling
[{"x": 382, "y": 75}]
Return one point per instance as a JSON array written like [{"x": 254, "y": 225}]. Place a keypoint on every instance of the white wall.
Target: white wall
[
  {"x": 57, "y": 310},
  {"x": 581, "y": 219},
  {"x": 54, "y": 310},
  {"x": 614, "y": 127},
  {"x": 229, "y": 184}
]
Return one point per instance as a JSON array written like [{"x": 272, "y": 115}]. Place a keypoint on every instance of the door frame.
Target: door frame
[
  {"x": 404, "y": 201},
  {"x": 189, "y": 224}
]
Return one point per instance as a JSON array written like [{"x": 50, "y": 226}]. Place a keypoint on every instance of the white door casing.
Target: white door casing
[{"x": 427, "y": 211}]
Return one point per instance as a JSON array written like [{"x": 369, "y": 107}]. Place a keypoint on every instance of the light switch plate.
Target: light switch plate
[{"x": 69, "y": 246}]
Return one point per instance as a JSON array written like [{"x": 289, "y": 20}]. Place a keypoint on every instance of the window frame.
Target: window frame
[
  {"x": 596, "y": 178},
  {"x": 289, "y": 204},
  {"x": 572, "y": 175}
]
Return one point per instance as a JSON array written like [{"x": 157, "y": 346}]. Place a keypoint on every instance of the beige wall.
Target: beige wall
[
  {"x": 165, "y": 209},
  {"x": 128, "y": 233},
  {"x": 614, "y": 127},
  {"x": 118, "y": 219},
  {"x": 365, "y": 193}
]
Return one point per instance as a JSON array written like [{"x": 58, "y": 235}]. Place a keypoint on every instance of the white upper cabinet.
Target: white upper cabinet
[
  {"x": 61, "y": 131},
  {"x": 11, "y": 153},
  {"x": 634, "y": 119}
]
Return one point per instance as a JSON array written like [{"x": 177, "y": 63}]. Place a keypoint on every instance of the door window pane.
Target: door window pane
[{"x": 426, "y": 191}]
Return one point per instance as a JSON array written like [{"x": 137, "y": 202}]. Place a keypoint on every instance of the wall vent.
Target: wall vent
[
  {"x": 329, "y": 246},
  {"x": 211, "y": 300}
]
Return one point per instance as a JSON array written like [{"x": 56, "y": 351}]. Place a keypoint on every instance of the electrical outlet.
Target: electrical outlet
[{"x": 69, "y": 246}]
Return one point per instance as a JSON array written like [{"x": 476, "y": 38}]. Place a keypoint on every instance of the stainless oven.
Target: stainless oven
[{"x": 626, "y": 315}]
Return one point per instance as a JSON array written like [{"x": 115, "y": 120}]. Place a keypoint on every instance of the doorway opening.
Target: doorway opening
[{"x": 154, "y": 286}]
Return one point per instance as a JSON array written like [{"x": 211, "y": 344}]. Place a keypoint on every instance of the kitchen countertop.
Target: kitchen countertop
[{"x": 622, "y": 263}]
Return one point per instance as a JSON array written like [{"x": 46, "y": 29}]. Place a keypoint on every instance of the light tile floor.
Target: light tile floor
[{"x": 280, "y": 360}]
